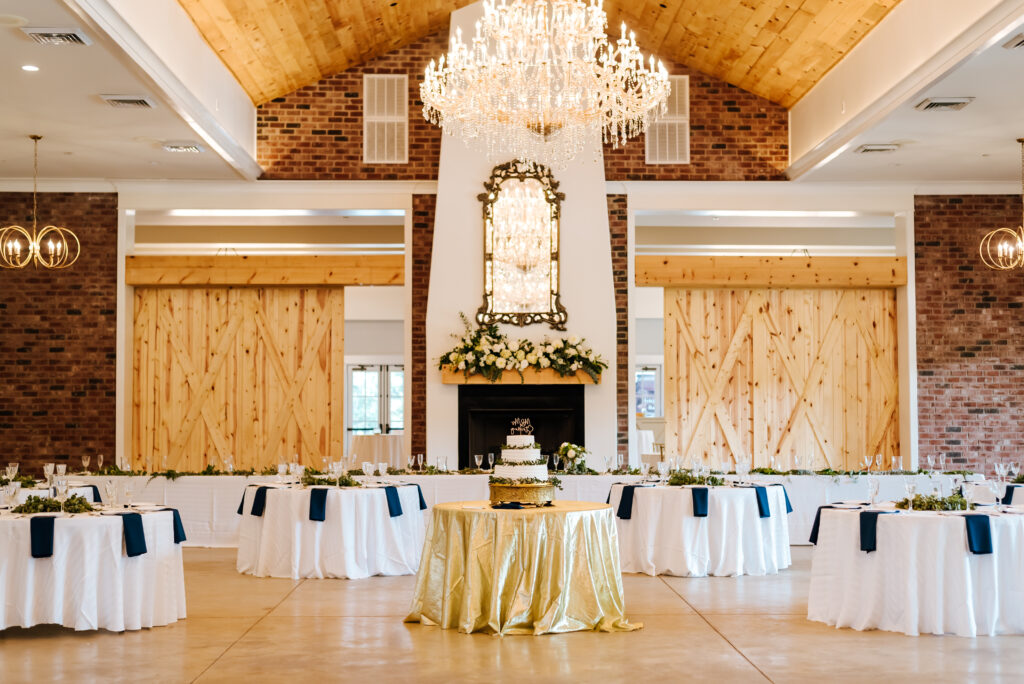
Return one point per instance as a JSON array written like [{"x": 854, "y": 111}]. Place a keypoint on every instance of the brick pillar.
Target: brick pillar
[
  {"x": 618, "y": 228},
  {"x": 423, "y": 207}
]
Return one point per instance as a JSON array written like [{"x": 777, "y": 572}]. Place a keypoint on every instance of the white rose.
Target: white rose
[
  {"x": 549, "y": 349},
  {"x": 505, "y": 353},
  {"x": 462, "y": 365},
  {"x": 574, "y": 366},
  {"x": 499, "y": 346},
  {"x": 570, "y": 352},
  {"x": 490, "y": 358},
  {"x": 470, "y": 357},
  {"x": 500, "y": 363},
  {"x": 531, "y": 359},
  {"x": 520, "y": 355},
  {"x": 453, "y": 357},
  {"x": 572, "y": 453},
  {"x": 574, "y": 340},
  {"x": 523, "y": 365},
  {"x": 514, "y": 346},
  {"x": 544, "y": 363}
]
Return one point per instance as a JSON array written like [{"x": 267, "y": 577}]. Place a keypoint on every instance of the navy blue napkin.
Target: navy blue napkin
[
  {"x": 626, "y": 502},
  {"x": 979, "y": 533},
  {"x": 241, "y": 505},
  {"x": 96, "y": 494},
  {"x": 318, "y": 504},
  {"x": 179, "y": 529},
  {"x": 259, "y": 501},
  {"x": 763, "y": 509},
  {"x": 394, "y": 502},
  {"x": 1008, "y": 497},
  {"x": 423, "y": 502},
  {"x": 134, "y": 534},
  {"x": 817, "y": 522},
  {"x": 508, "y": 505},
  {"x": 700, "y": 501},
  {"x": 869, "y": 529},
  {"x": 41, "y": 531}
]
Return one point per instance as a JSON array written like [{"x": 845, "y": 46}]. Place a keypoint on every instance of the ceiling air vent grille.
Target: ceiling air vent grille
[
  {"x": 182, "y": 146},
  {"x": 1016, "y": 42},
  {"x": 877, "y": 147},
  {"x": 129, "y": 101},
  {"x": 57, "y": 36},
  {"x": 943, "y": 104}
]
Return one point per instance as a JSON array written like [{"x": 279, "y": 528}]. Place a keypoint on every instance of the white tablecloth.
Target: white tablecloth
[
  {"x": 807, "y": 492},
  {"x": 23, "y": 494},
  {"x": 377, "y": 449},
  {"x": 921, "y": 578},
  {"x": 89, "y": 583},
  {"x": 664, "y": 538},
  {"x": 645, "y": 442},
  {"x": 358, "y": 539}
]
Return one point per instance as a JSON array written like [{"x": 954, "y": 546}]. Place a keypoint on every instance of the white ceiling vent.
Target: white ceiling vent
[
  {"x": 877, "y": 147},
  {"x": 57, "y": 36},
  {"x": 184, "y": 146},
  {"x": 943, "y": 104},
  {"x": 129, "y": 101},
  {"x": 1016, "y": 42}
]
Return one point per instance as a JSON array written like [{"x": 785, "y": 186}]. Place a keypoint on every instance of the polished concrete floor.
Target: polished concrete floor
[{"x": 244, "y": 629}]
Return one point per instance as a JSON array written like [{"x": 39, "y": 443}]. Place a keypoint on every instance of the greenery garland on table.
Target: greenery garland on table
[
  {"x": 488, "y": 352},
  {"x": 27, "y": 481},
  {"x": 37, "y": 504},
  {"x": 927, "y": 502},
  {"x": 312, "y": 477},
  {"x": 680, "y": 478},
  {"x": 1019, "y": 479}
]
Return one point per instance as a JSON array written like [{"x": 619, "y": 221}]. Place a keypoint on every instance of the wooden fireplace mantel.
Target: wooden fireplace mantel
[{"x": 531, "y": 376}]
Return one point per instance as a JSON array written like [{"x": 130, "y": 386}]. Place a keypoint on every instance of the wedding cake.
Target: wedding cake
[{"x": 522, "y": 475}]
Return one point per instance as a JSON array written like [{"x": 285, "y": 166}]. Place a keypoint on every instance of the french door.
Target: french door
[{"x": 376, "y": 400}]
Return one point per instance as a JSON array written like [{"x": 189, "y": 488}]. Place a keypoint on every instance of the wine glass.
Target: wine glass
[
  {"x": 12, "y": 493},
  {"x": 942, "y": 461},
  {"x": 419, "y": 461},
  {"x": 620, "y": 461},
  {"x": 282, "y": 471},
  {"x": 878, "y": 461},
  {"x": 645, "y": 469},
  {"x": 490, "y": 460},
  {"x": 968, "y": 490},
  {"x": 110, "y": 489},
  {"x": 85, "y": 462},
  {"x": 382, "y": 469},
  {"x": 229, "y": 463},
  {"x": 557, "y": 458},
  {"x": 61, "y": 487},
  {"x": 368, "y": 468},
  {"x": 99, "y": 461},
  {"x": 62, "y": 469},
  {"x": 873, "y": 486},
  {"x": 11, "y": 471},
  {"x": 479, "y": 460},
  {"x": 48, "y": 473},
  {"x": 931, "y": 462},
  {"x": 662, "y": 470},
  {"x": 910, "y": 485},
  {"x": 129, "y": 492}
]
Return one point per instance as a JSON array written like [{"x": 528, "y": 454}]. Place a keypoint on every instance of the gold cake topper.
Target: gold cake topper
[{"x": 521, "y": 426}]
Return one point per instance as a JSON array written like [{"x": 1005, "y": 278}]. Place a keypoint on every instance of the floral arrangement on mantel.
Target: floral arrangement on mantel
[{"x": 486, "y": 351}]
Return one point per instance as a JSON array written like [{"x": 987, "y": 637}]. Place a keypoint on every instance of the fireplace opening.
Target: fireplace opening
[{"x": 486, "y": 413}]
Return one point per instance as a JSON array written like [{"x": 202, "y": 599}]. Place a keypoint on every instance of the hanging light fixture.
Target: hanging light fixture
[
  {"x": 51, "y": 247},
  {"x": 1003, "y": 248},
  {"x": 541, "y": 81}
]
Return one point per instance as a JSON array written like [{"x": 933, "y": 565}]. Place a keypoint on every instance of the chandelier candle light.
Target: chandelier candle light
[
  {"x": 51, "y": 247},
  {"x": 1003, "y": 248},
  {"x": 541, "y": 81}
]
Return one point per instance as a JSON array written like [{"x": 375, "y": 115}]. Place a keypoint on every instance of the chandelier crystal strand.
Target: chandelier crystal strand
[
  {"x": 1003, "y": 248},
  {"x": 541, "y": 81},
  {"x": 52, "y": 247}
]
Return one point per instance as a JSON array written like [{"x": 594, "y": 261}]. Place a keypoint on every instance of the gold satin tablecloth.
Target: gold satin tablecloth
[{"x": 528, "y": 571}]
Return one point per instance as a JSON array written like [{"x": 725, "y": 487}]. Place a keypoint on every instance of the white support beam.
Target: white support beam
[{"x": 917, "y": 43}]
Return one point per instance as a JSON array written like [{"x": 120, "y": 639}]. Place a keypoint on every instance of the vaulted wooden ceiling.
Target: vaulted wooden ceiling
[{"x": 777, "y": 49}]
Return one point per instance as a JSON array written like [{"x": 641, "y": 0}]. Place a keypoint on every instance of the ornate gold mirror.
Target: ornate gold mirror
[{"x": 522, "y": 207}]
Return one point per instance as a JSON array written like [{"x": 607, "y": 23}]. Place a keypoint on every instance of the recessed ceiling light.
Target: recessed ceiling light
[{"x": 29, "y": 67}]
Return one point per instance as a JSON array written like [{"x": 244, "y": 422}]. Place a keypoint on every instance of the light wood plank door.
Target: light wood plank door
[
  {"x": 773, "y": 373},
  {"x": 254, "y": 373}
]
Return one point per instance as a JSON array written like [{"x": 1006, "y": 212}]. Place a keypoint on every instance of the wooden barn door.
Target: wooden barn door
[
  {"x": 781, "y": 372},
  {"x": 254, "y": 372}
]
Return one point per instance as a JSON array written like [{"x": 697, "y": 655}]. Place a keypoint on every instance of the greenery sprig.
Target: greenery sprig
[
  {"x": 315, "y": 478},
  {"x": 27, "y": 481},
  {"x": 927, "y": 502},
  {"x": 524, "y": 481},
  {"x": 680, "y": 478},
  {"x": 38, "y": 504}
]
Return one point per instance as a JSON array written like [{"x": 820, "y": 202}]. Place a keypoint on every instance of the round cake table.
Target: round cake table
[{"x": 521, "y": 571}]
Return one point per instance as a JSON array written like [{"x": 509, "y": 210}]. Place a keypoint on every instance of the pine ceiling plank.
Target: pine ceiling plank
[{"x": 752, "y": 42}]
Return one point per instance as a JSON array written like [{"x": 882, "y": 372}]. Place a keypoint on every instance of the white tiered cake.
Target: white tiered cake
[{"x": 521, "y": 459}]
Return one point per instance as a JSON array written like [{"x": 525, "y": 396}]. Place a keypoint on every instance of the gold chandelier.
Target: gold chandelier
[
  {"x": 1003, "y": 248},
  {"x": 541, "y": 81},
  {"x": 51, "y": 247}
]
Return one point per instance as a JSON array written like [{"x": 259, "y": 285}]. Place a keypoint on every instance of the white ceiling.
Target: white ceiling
[
  {"x": 83, "y": 136},
  {"x": 977, "y": 143}
]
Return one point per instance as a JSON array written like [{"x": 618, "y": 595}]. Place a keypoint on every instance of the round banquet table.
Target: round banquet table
[
  {"x": 89, "y": 582},
  {"x": 663, "y": 537},
  {"x": 358, "y": 538},
  {"x": 526, "y": 571},
  {"x": 921, "y": 578}
]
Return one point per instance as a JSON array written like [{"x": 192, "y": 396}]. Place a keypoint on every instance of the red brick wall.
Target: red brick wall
[
  {"x": 423, "y": 207},
  {"x": 618, "y": 229},
  {"x": 316, "y": 133},
  {"x": 734, "y": 136},
  {"x": 970, "y": 333},
  {"x": 58, "y": 338}
]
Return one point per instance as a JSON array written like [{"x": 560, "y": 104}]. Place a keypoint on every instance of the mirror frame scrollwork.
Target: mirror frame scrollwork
[{"x": 556, "y": 315}]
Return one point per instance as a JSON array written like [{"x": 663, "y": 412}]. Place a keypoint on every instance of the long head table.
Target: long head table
[{"x": 208, "y": 504}]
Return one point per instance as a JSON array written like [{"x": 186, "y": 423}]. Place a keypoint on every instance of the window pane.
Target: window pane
[{"x": 647, "y": 392}]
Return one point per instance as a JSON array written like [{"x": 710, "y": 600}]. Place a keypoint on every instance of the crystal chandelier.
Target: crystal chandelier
[
  {"x": 522, "y": 257},
  {"x": 540, "y": 80},
  {"x": 51, "y": 247}
]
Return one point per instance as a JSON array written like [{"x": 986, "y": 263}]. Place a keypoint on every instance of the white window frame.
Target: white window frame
[
  {"x": 676, "y": 118},
  {"x": 659, "y": 389},
  {"x": 402, "y": 118}
]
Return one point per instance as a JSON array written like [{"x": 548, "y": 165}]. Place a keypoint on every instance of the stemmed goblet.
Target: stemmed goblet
[
  {"x": 911, "y": 487},
  {"x": 490, "y": 460},
  {"x": 479, "y": 460},
  {"x": 85, "y": 462}
]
